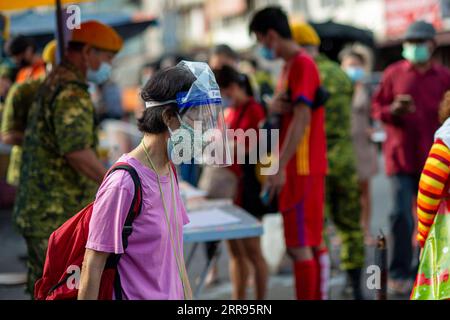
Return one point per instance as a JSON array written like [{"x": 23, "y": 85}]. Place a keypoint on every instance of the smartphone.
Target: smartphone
[
  {"x": 265, "y": 197},
  {"x": 267, "y": 98},
  {"x": 406, "y": 100}
]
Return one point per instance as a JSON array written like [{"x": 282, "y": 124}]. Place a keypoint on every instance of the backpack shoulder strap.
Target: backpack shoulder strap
[{"x": 136, "y": 203}]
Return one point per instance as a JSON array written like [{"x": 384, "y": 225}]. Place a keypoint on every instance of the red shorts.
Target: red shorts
[{"x": 303, "y": 224}]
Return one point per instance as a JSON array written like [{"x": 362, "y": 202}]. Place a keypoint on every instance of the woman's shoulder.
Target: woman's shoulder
[{"x": 119, "y": 178}]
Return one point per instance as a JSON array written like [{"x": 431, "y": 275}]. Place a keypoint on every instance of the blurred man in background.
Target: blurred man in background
[
  {"x": 356, "y": 64},
  {"x": 14, "y": 118},
  {"x": 342, "y": 192},
  {"x": 21, "y": 64},
  {"x": 407, "y": 103},
  {"x": 221, "y": 55},
  {"x": 7, "y": 73},
  {"x": 60, "y": 169},
  {"x": 300, "y": 181},
  {"x": 29, "y": 64}
]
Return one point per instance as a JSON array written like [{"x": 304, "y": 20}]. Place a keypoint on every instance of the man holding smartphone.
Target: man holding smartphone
[{"x": 407, "y": 103}]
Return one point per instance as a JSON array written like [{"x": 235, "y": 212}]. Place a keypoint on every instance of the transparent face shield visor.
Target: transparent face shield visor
[
  {"x": 210, "y": 145},
  {"x": 202, "y": 123}
]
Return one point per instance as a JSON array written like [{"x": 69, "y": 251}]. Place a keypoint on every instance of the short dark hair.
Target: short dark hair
[
  {"x": 162, "y": 86},
  {"x": 227, "y": 75},
  {"x": 226, "y": 50},
  {"x": 271, "y": 18},
  {"x": 19, "y": 44}
]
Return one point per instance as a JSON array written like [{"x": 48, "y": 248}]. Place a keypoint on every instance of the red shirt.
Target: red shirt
[
  {"x": 300, "y": 79},
  {"x": 410, "y": 136},
  {"x": 246, "y": 116}
]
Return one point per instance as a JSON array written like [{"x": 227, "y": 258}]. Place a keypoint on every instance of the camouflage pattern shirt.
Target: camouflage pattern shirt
[
  {"x": 14, "y": 119},
  {"x": 7, "y": 76},
  {"x": 59, "y": 122},
  {"x": 342, "y": 192},
  {"x": 338, "y": 115},
  {"x": 8, "y": 70}
]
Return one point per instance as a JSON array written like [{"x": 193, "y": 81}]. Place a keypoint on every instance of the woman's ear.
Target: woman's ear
[{"x": 170, "y": 119}]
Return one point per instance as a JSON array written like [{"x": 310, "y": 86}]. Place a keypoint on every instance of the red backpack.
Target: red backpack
[{"x": 66, "y": 248}]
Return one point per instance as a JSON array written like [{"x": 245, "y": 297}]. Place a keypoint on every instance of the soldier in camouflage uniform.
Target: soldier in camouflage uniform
[
  {"x": 19, "y": 100},
  {"x": 60, "y": 170},
  {"x": 14, "y": 118},
  {"x": 343, "y": 198},
  {"x": 8, "y": 73}
]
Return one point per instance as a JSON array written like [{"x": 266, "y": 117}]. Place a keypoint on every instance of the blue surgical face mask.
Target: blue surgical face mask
[
  {"x": 416, "y": 52},
  {"x": 226, "y": 102},
  {"x": 267, "y": 53},
  {"x": 101, "y": 75},
  {"x": 355, "y": 74}
]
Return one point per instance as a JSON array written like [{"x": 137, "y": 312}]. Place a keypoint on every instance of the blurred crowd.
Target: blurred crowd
[{"x": 66, "y": 124}]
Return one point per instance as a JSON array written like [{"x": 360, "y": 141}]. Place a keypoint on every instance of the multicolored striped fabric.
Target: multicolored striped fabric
[{"x": 432, "y": 187}]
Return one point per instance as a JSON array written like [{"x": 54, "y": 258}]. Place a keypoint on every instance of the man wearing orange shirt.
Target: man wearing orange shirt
[{"x": 22, "y": 51}]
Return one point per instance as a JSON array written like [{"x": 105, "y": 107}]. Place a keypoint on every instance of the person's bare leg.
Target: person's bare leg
[
  {"x": 238, "y": 269},
  {"x": 260, "y": 270},
  {"x": 212, "y": 277},
  {"x": 251, "y": 275}
]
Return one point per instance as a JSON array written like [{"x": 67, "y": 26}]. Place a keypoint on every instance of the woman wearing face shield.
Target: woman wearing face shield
[{"x": 152, "y": 266}]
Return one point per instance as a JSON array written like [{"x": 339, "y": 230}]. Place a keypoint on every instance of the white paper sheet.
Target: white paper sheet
[
  {"x": 210, "y": 218},
  {"x": 189, "y": 192}
]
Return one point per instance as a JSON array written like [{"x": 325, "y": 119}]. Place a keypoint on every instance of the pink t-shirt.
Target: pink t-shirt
[{"x": 148, "y": 268}]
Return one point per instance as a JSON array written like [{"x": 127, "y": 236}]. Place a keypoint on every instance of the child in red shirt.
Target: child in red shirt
[{"x": 300, "y": 181}]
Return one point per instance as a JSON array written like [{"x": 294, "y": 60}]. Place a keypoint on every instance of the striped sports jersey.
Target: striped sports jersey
[{"x": 432, "y": 187}]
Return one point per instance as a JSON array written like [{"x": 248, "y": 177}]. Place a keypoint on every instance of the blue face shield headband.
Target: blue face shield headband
[{"x": 189, "y": 99}]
